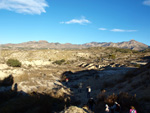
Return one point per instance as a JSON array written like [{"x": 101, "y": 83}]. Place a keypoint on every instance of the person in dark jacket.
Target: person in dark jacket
[
  {"x": 91, "y": 103},
  {"x": 116, "y": 108}
]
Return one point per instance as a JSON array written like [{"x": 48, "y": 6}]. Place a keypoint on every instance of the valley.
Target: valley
[{"x": 43, "y": 71}]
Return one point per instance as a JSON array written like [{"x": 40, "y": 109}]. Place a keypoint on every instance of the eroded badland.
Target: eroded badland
[{"x": 114, "y": 74}]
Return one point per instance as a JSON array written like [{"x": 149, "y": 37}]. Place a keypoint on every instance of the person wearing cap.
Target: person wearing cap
[{"x": 91, "y": 103}]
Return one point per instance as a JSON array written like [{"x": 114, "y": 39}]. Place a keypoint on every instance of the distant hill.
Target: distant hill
[{"x": 132, "y": 44}]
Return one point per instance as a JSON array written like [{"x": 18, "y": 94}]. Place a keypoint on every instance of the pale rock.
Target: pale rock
[
  {"x": 74, "y": 109},
  {"x": 3, "y": 75},
  {"x": 3, "y": 66},
  {"x": 36, "y": 63}
]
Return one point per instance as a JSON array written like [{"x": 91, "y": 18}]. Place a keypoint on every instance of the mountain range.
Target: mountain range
[{"x": 132, "y": 44}]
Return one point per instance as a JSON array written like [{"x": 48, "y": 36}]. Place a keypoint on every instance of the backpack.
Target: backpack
[
  {"x": 118, "y": 108},
  {"x": 133, "y": 111}
]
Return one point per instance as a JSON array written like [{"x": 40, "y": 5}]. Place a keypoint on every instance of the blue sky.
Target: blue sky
[{"x": 74, "y": 21}]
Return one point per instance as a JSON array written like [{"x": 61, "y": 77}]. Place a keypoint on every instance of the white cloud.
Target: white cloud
[
  {"x": 81, "y": 21},
  {"x": 24, "y": 6},
  {"x": 102, "y": 29},
  {"x": 122, "y": 30},
  {"x": 146, "y": 2}
]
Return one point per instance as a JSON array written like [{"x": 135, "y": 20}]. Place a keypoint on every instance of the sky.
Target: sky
[{"x": 74, "y": 21}]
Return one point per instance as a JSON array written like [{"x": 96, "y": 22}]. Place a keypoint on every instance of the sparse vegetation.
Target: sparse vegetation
[
  {"x": 123, "y": 50},
  {"x": 112, "y": 56},
  {"x": 75, "y": 65},
  {"x": 14, "y": 63},
  {"x": 137, "y": 65},
  {"x": 59, "y": 62}
]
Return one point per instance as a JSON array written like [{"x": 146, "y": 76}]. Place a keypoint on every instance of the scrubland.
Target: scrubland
[{"x": 114, "y": 75}]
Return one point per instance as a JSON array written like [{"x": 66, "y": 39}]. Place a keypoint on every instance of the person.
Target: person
[
  {"x": 91, "y": 103},
  {"x": 116, "y": 108},
  {"x": 80, "y": 86},
  {"x": 107, "y": 109},
  {"x": 133, "y": 110},
  {"x": 16, "y": 87},
  {"x": 88, "y": 91},
  {"x": 66, "y": 81}
]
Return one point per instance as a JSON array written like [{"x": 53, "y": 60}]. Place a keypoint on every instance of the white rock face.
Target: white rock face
[
  {"x": 3, "y": 75},
  {"x": 3, "y": 66},
  {"x": 35, "y": 63},
  {"x": 39, "y": 84}
]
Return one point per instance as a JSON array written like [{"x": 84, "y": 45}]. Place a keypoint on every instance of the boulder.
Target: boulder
[{"x": 74, "y": 109}]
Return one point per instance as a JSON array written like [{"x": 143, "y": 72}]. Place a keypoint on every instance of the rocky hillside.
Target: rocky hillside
[
  {"x": 112, "y": 73},
  {"x": 132, "y": 44}
]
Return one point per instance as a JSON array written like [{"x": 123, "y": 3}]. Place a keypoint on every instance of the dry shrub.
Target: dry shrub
[
  {"x": 60, "y": 93},
  {"x": 124, "y": 99},
  {"x": 101, "y": 96},
  {"x": 111, "y": 99}
]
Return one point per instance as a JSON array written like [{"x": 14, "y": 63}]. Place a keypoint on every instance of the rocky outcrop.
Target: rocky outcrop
[
  {"x": 132, "y": 44},
  {"x": 75, "y": 109}
]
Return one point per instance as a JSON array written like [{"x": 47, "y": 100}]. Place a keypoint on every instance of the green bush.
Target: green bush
[
  {"x": 112, "y": 56},
  {"x": 59, "y": 62},
  {"x": 122, "y": 50},
  {"x": 14, "y": 63},
  {"x": 137, "y": 65}
]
